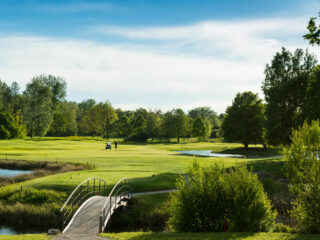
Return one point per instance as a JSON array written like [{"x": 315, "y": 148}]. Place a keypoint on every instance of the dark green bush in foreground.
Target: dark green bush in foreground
[{"x": 218, "y": 199}]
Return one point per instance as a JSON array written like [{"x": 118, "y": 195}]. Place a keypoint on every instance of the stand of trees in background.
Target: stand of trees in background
[{"x": 42, "y": 110}]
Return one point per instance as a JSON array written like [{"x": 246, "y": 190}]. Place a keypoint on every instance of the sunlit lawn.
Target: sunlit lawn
[
  {"x": 207, "y": 236},
  {"x": 129, "y": 160}
]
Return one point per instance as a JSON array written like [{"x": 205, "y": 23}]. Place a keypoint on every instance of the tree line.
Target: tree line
[
  {"x": 42, "y": 110},
  {"x": 292, "y": 96}
]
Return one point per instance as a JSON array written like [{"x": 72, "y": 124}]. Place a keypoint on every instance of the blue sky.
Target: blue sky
[{"x": 154, "y": 54}]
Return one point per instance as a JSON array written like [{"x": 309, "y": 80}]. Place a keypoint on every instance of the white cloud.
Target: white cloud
[{"x": 188, "y": 66}]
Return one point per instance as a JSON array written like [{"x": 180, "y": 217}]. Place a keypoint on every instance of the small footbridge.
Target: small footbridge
[{"x": 88, "y": 209}]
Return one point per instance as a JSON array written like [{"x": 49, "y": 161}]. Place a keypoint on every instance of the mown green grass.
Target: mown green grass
[
  {"x": 25, "y": 237},
  {"x": 129, "y": 160},
  {"x": 207, "y": 236}
]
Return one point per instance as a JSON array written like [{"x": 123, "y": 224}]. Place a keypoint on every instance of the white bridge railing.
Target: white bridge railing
[
  {"x": 121, "y": 191},
  {"x": 90, "y": 187}
]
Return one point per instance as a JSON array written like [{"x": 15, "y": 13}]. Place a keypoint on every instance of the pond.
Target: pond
[
  {"x": 209, "y": 153},
  {"x": 12, "y": 173},
  {"x": 4, "y": 230},
  {"x": 7, "y": 231}
]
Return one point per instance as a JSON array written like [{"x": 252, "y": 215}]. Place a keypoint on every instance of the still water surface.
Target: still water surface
[
  {"x": 209, "y": 153},
  {"x": 12, "y": 173}
]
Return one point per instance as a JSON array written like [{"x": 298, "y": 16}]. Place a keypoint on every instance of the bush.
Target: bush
[
  {"x": 218, "y": 199},
  {"x": 303, "y": 168},
  {"x": 18, "y": 214},
  {"x": 139, "y": 137},
  {"x": 9, "y": 128}
]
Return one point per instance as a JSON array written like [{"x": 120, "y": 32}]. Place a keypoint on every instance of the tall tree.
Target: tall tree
[
  {"x": 38, "y": 112},
  {"x": 244, "y": 120},
  {"x": 123, "y": 126},
  {"x": 64, "y": 120},
  {"x": 107, "y": 117},
  {"x": 199, "y": 128},
  {"x": 284, "y": 88},
  {"x": 57, "y": 85},
  {"x": 82, "y": 116},
  {"x": 179, "y": 122},
  {"x": 312, "y": 105},
  {"x": 209, "y": 117},
  {"x": 153, "y": 124}
]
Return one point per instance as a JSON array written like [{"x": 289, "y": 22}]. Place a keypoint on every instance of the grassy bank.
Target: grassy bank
[
  {"x": 25, "y": 237},
  {"x": 211, "y": 236}
]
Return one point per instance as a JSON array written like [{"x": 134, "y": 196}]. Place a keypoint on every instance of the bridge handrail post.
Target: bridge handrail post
[{"x": 100, "y": 224}]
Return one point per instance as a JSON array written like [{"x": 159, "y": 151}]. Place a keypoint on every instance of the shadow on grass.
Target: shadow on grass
[
  {"x": 252, "y": 151},
  {"x": 274, "y": 167},
  {"x": 162, "y": 181}
]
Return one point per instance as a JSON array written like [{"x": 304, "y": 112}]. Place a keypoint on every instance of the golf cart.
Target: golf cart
[{"x": 108, "y": 145}]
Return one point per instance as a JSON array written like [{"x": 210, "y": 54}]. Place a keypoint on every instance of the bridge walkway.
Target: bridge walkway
[{"x": 86, "y": 219}]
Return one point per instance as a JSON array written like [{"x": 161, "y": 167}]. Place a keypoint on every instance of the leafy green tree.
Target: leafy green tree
[
  {"x": 57, "y": 85},
  {"x": 314, "y": 32},
  {"x": 92, "y": 124},
  {"x": 64, "y": 120},
  {"x": 179, "y": 121},
  {"x": 58, "y": 125},
  {"x": 153, "y": 124},
  {"x": 244, "y": 120},
  {"x": 215, "y": 199},
  {"x": 209, "y": 117},
  {"x": 312, "y": 103},
  {"x": 107, "y": 118},
  {"x": 82, "y": 116},
  {"x": 199, "y": 128},
  {"x": 5, "y": 96},
  {"x": 123, "y": 126},
  {"x": 284, "y": 87},
  {"x": 303, "y": 168},
  {"x": 37, "y": 112}
]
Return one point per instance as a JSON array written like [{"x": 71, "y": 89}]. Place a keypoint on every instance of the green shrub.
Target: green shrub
[
  {"x": 32, "y": 196},
  {"x": 9, "y": 128},
  {"x": 282, "y": 228},
  {"x": 218, "y": 199},
  {"x": 303, "y": 168},
  {"x": 19, "y": 214}
]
